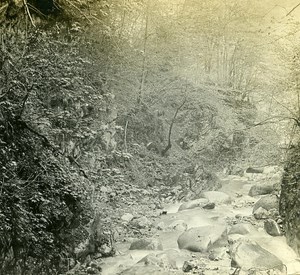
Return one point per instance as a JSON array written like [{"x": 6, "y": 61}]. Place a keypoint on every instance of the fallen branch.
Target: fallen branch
[{"x": 28, "y": 12}]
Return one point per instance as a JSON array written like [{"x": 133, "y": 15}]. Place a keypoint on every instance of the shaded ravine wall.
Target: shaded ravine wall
[{"x": 290, "y": 198}]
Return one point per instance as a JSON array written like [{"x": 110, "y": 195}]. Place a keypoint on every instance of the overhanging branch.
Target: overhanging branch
[{"x": 293, "y": 9}]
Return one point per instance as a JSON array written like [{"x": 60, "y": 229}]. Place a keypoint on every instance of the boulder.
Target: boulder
[
  {"x": 217, "y": 197},
  {"x": 162, "y": 260},
  {"x": 254, "y": 170},
  {"x": 218, "y": 254},
  {"x": 178, "y": 225},
  {"x": 272, "y": 228},
  {"x": 201, "y": 239},
  {"x": 261, "y": 214},
  {"x": 98, "y": 242},
  {"x": 193, "y": 204},
  {"x": 146, "y": 244},
  {"x": 189, "y": 266},
  {"x": 235, "y": 238},
  {"x": 267, "y": 202},
  {"x": 91, "y": 270},
  {"x": 209, "y": 206},
  {"x": 127, "y": 217},
  {"x": 261, "y": 189},
  {"x": 241, "y": 229},
  {"x": 250, "y": 255},
  {"x": 168, "y": 262},
  {"x": 141, "y": 222}
]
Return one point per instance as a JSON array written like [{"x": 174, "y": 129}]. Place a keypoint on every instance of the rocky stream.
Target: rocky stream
[{"x": 235, "y": 230}]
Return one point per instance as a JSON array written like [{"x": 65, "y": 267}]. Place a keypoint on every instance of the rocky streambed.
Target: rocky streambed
[{"x": 236, "y": 230}]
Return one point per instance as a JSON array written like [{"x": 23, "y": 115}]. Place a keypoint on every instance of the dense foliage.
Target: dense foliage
[
  {"x": 40, "y": 205},
  {"x": 41, "y": 200}
]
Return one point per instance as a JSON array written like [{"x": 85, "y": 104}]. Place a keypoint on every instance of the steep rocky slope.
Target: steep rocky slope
[{"x": 290, "y": 198}]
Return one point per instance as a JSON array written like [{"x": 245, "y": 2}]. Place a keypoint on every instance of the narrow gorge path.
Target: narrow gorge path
[{"x": 217, "y": 234}]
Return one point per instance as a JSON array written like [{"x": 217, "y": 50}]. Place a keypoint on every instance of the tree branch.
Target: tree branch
[
  {"x": 285, "y": 107},
  {"x": 49, "y": 145},
  {"x": 293, "y": 9},
  {"x": 79, "y": 10},
  {"x": 28, "y": 12},
  {"x": 274, "y": 119}
]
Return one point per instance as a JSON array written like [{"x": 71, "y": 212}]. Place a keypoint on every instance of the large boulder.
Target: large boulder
[
  {"x": 240, "y": 228},
  {"x": 146, "y": 244},
  {"x": 202, "y": 239},
  {"x": 171, "y": 259},
  {"x": 217, "y": 197},
  {"x": 209, "y": 206},
  {"x": 261, "y": 189},
  {"x": 235, "y": 238},
  {"x": 261, "y": 214},
  {"x": 272, "y": 228},
  {"x": 267, "y": 202},
  {"x": 252, "y": 170},
  {"x": 250, "y": 255},
  {"x": 193, "y": 204}
]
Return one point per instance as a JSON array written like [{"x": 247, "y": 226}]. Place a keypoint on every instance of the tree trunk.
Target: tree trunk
[
  {"x": 143, "y": 76},
  {"x": 169, "y": 146}
]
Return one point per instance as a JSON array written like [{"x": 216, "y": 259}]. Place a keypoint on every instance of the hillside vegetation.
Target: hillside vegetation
[{"x": 108, "y": 107}]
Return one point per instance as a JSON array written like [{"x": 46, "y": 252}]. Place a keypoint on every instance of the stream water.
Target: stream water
[{"x": 242, "y": 204}]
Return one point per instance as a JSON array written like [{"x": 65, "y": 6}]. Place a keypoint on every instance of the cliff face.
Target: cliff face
[{"x": 290, "y": 199}]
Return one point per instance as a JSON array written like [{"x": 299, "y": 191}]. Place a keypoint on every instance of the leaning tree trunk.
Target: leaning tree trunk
[{"x": 169, "y": 146}]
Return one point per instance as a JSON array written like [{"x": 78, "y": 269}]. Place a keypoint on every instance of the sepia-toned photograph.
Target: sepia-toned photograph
[{"x": 150, "y": 137}]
